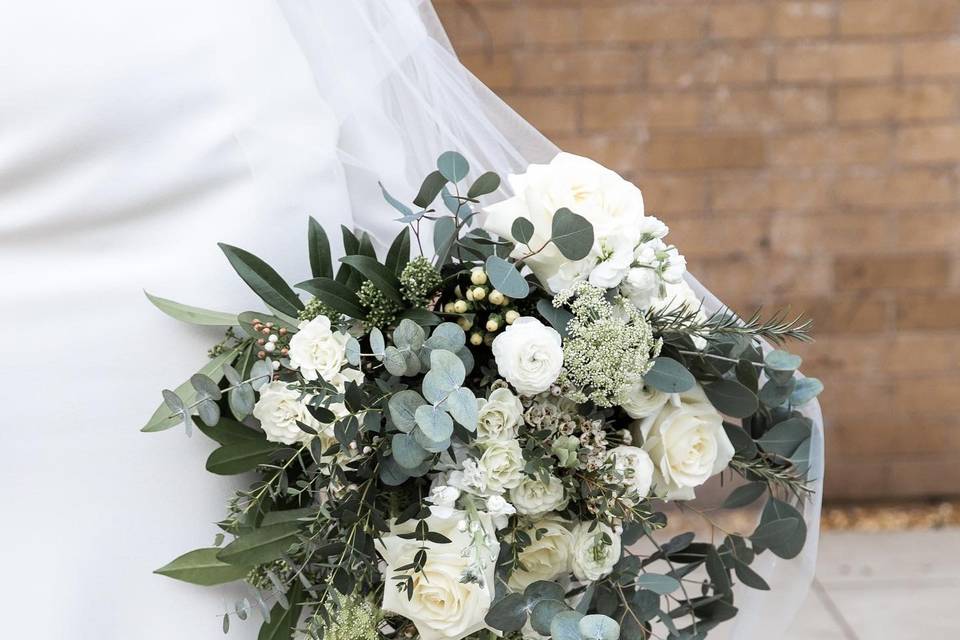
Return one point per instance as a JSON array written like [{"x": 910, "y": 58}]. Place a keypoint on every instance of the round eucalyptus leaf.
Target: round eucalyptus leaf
[
  {"x": 505, "y": 278},
  {"x": 657, "y": 583},
  {"x": 446, "y": 375},
  {"x": 572, "y": 234},
  {"x": 434, "y": 422},
  {"x": 784, "y": 438},
  {"x": 599, "y": 627},
  {"x": 409, "y": 334},
  {"x": 782, "y": 361},
  {"x": 522, "y": 230},
  {"x": 543, "y": 590},
  {"x": 461, "y": 404},
  {"x": 669, "y": 376},
  {"x": 453, "y": 166},
  {"x": 209, "y": 412},
  {"x": 732, "y": 398},
  {"x": 403, "y": 407},
  {"x": 805, "y": 390},
  {"x": 486, "y": 183},
  {"x": 394, "y": 361},
  {"x": 429, "y": 445},
  {"x": 205, "y": 386},
  {"x": 566, "y": 626},
  {"x": 352, "y": 351},
  {"x": 543, "y": 614},
  {"x": 774, "y": 393},
  {"x": 260, "y": 374},
  {"x": 377, "y": 343},
  {"x": 173, "y": 401},
  {"x": 232, "y": 375},
  {"x": 507, "y": 614},
  {"x": 776, "y": 535},
  {"x": 391, "y": 473},
  {"x": 407, "y": 451},
  {"x": 241, "y": 400},
  {"x": 745, "y": 495},
  {"x": 448, "y": 336}
]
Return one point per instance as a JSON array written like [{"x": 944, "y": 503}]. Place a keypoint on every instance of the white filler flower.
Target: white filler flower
[{"x": 529, "y": 355}]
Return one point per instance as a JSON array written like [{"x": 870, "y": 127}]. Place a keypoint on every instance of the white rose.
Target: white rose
[
  {"x": 318, "y": 351},
  {"x": 635, "y": 468},
  {"x": 547, "y": 557},
  {"x": 443, "y": 606},
  {"x": 594, "y": 551},
  {"x": 687, "y": 444},
  {"x": 611, "y": 204},
  {"x": 500, "y": 417},
  {"x": 529, "y": 355},
  {"x": 533, "y": 497},
  {"x": 501, "y": 465},
  {"x": 640, "y": 401},
  {"x": 279, "y": 409}
]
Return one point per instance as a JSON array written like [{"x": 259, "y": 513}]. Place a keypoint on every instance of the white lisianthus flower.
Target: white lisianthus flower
[
  {"x": 596, "y": 549},
  {"x": 616, "y": 256},
  {"x": 444, "y": 500},
  {"x": 611, "y": 204},
  {"x": 279, "y": 409},
  {"x": 499, "y": 511},
  {"x": 641, "y": 286},
  {"x": 640, "y": 401},
  {"x": 529, "y": 355},
  {"x": 548, "y": 555},
  {"x": 443, "y": 605},
  {"x": 318, "y": 351},
  {"x": 500, "y": 417},
  {"x": 533, "y": 497},
  {"x": 687, "y": 444},
  {"x": 502, "y": 465},
  {"x": 635, "y": 468}
]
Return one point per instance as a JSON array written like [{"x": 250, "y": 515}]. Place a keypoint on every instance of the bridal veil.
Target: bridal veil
[{"x": 386, "y": 66}]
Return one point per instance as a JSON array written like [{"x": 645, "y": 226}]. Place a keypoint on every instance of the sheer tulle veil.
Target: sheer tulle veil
[{"x": 388, "y": 71}]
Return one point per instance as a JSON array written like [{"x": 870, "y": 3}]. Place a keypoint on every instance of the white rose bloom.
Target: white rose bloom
[
  {"x": 640, "y": 401},
  {"x": 501, "y": 465},
  {"x": 592, "y": 557},
  {"x": 687, "y": 444},
  {"x": 443, "y": 606},
  {"x": 500, "y": 417},
  {"x": 278, "y": 410},
  {"x": 318, "y": 351},
  {"x": 529, "y": 355},
  {"x": 547, "y": 557},
  {"x": 611, "y": 204},
  {"x": 634, "y": 466},
  {"x": 533, "y": 497}
]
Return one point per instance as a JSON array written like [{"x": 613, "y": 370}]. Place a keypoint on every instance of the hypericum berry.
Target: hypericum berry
[
  {"x": 476, "y": 339},
  {"x": 470, "y": 295},
  {"x": 448, "y": 308},
  {"x": 479, "y": 293},
  {"x": 460, "y": 306},
  {"x": 497, "y": 298},
  {"x": 478, "y": 276},
  {"x": 493, "y": 323},
  {"x": 465, "y": 323},
  {"x": 511, "y": 316}
]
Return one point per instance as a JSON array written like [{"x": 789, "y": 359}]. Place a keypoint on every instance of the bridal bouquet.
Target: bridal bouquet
[{"x": 476, "y": 434}]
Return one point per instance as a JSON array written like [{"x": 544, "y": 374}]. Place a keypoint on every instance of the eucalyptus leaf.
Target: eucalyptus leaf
[
  {"x": 486, "y": 183},
  {"x": 404, "y": 210},
  {"x": 403, "y": 407},
  {"x": 351, "y": 351},
  {"x": 282, "y": 624},
  {"x": 263, "y": 280},
  {"x": 558, "y": 318},
  {"x": 260, "y": 374},
  {"x": 599, "y": 627},
  {"x": 409, "y": 335},
  {"x": 446, "y": 374},
  {"x": 544, "y": 612},
  {"x": 732, "y": 398},
  {"x": 745, "y": 495},
  {"x": 566, "y": 626},
  {"x": 162, "y": 418},
  {"x": 434, "y": 422},
  {"x": 774, "y": 393},
  {"x": 508, "y": 614},
  {"x": 784, "y": 438},
  {"x": 669, "y": 376},
  {"x": 448, "y": 336},
  {"x": 205, "y": 386},
  {"x": 394, "y": 361},
  {"x": 193, "y": 315},
  {"x": 522, "y": 230},
  {"x": 209, "y": 412},
  {"x": 430, "y": 189},
  {"x": 659, "y": 584},
  {"x": 444, "y": 237},
  {"x": 743, "y": 444},
  {"x": 406, "y": 451},
  {"x": 749, "y": 577},
  {"x": 805, "y": 390},
  {"x": 453, "y": 166},
  {"x": 461, "y": 404},
  {"x": 572, "y": 234},
  {"x": 505, "y": 278},
  {"x": 377, "y": 343}
]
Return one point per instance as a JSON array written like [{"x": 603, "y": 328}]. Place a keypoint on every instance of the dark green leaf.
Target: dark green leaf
[
  {"x": 398, "y": 255},
  {"x": 486, "y": 183},
  {"x": 228, "y": 431},
  {"x": 260, "y": 546},
  {"x": 522, "y": 230},
  {"x": 743, "y": 444},
  {"x": 430, "y": 189},
  {"x": 558, "y": 318},
  {"x": 744, "y": 495},
  {"x": 773, "y": 394},
  {"x": 784, "y": 438},
  {"x": 508, "y": 613},
  {"x": 572, "y": 234},
  {"x": 335, "y": 295},
  {"x": 444, "y": 238},
  {"x": 656, "y": 583},
  {"x": 264, "y": 281},
  {"x": 544, "y": 612},
  {"x": 321, "y": 264},
  {"x": 749, "y": 577},
  {"x": 283, "y": 622},
  {"x": 241, "y": 457},
  {"x": 381, "y": 277}
]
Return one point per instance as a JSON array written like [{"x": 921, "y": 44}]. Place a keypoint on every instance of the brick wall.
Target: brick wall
[{"x": 802, "y": 152}]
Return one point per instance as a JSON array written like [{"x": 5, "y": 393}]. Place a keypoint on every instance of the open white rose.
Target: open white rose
[
  {"x": 278, "y": 410},
  {"x": 318, "y": 351},
  {"x": 533, "y": 497},
  {"x": 547, "y": 557},
  {"x": 687, "y": 444},
  {"x": 500, "y": 417},
  {"x": 640, "y": 401},
  {"x": 529, "y": 355},
  {"x": 501, "y": 465},
  {"x": 611, "y": 204},
  {"x": 443, "y": 606},
  {"x": 596, "y": 548},
  {"x": 634, "y": 466}
]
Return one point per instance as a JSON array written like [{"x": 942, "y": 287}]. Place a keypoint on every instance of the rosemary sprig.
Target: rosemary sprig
[
  {"x": 786, "y": 478},
  {"x": 686, "y": 320}
]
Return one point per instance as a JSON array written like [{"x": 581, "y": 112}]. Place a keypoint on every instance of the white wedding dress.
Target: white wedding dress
[{"x": 133, "y": 137}]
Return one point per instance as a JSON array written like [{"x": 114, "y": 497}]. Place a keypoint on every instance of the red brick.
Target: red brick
[
  {"x": 578, "y": 69},
  {"x": 930, "y": 311},
  {"x": 929, "y": 144},
  {"x": 685, "y": 67},
  {"x": 831, "y": 62},
  {"x": 713, "y": 151},
  {"x": 892, "y": 271},
  {"x": 550, "y": 114},
  {"x": 931, "y": 59},
  {"x": 893, "y": 17},
  {"x": 739, "y": 21},
  {"x": 884, "y": 102},
  {"x": 632, "y": 22},
  {"x": 803, "y": 19}
]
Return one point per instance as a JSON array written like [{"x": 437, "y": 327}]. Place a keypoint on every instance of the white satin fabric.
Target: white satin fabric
[{"x": 133, "y": 137}]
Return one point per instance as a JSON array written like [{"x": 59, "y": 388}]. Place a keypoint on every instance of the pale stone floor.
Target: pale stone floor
[{"x": 898, "y": 585}]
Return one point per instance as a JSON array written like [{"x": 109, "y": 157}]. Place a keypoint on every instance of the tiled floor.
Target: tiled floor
[{"x": 884, "y": 586}]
